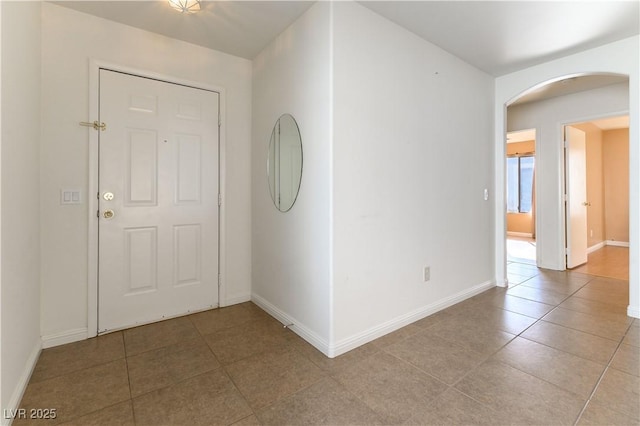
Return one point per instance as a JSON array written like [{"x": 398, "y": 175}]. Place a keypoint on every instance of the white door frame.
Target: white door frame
[
  {"x": 563, "y": 166},
  {"x": 92, "y": 250}
]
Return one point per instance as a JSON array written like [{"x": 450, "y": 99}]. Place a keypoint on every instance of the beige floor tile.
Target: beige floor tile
[
  {"x": 208, "y": 399},
  {"x": 525, "y": 271},
  {"x": 397, "y": 336},
  {"x": 214, "y": 320},
  {"x": 432, "y": 319},
  {"x": 442, "y": 359},
  {"x": 80, "y": 392},
  {"x": 598, "y": 415},
  {"x": 521, "y": 306},
  {"x": 252, "y": 338},
  {"x": 467, "y": 305},
  {"x": 608, "y": 326},
  {"x": 76, "y": 356},
  {"x": 390, "y": 387},
  {"x": 468, "y": 334},
  {"x": 252, "y": 420},
  {"x": 455, "y": 408},
  {"x": 117, "y": 415},
  {"x": 620, "y": 392},
  {"x": 593, "y": 307},
  {"x": 518, "y": 276},
  {"x": 298, "y": 343},
  {"x": 565, "y": 276},
  {"x": 609, "y": 284},
  {"x": 265, "y": 378},
  {"x": 499, "y": 319},
  {"x": 538, "y": 295},
  {"x": 575, "y": 342},
  {"x": 337, "y": 364},
  {"x": 524, "y": 398},
  {"x": 627, "y": 359},
  {"x": 542, "y": 377},
  {"x": 521, "y": 268},
  {"x": 158, "y": 335},
  {"x": 543, "y": 283},
  {"x": 633, "y": 335},
  {"x": 162, "y": 367},
  {"x": 324, "y": 403},
  {"x": 567, "y": 371},
  {"x": 603, "y": 296}
]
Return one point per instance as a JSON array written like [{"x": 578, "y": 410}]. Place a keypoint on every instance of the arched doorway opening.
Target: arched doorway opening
[{"x": 509, "y": 89}]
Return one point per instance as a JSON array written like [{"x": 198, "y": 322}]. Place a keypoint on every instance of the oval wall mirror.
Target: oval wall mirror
[{"x": 284, "y": 163}]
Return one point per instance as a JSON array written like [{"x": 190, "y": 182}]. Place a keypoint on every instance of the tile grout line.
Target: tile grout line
[
  {"x": 544, "y": 380},
  {"x": 607, "y": 366},
  {"x": 451, "y": 387},
  {"x": 126, "y": 362},
  {"x": 595, "y": 388}
]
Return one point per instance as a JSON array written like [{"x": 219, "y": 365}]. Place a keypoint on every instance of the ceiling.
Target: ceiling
[
  {"x": 497, "y": 37},
  {"x": 240, "y": 28},
  {"x": 500, "y": 37}
]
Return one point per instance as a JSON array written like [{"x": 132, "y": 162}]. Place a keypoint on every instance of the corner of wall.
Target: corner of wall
[
  {"x": 20, "y": 239},
  {"x": 12, "y": 405},
  {"x": 293, "y": 324}
]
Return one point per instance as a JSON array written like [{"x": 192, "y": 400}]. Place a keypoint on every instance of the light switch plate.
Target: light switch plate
[{"x": 70, "y": 196}]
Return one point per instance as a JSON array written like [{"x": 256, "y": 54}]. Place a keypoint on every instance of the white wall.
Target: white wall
[
  {"x": 621, "y": 57},
  {"x": 412, "y": 154},
  {"x": 548, "y": 118},
  {"x": 291, "y": 250},
  {"x": 20, "y": 228},
  {"x": 69, "y": 40}
]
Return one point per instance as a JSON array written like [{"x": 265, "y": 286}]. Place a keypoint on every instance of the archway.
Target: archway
[{"x": 622, "y": 59}]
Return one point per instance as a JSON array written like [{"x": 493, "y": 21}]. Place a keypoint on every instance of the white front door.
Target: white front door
[
  {"x": 576, "y": 189},
  {"x": 158, "y": 192}
]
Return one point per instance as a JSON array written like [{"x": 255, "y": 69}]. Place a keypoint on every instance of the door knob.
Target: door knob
[
  {"x": 108, "y": 214},
  {"x": 108, "y": 196},
  {"x": 586, "y": 204}
]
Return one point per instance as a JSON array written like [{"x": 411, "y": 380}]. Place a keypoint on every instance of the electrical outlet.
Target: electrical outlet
[{"x": 427, "y": 273}]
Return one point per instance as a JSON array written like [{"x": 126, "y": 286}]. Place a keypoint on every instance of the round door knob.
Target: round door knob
[
  {"x": 108, "y": 196},
  {"x": 108, "y": 214}
]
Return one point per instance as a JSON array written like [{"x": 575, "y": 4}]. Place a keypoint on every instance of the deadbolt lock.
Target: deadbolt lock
[
  {"x": 108, "y": 214},
  {"x": 108, "y": 196}
]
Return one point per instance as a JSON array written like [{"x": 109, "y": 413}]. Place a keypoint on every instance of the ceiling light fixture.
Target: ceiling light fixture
[{"x": 185, "y": 6}]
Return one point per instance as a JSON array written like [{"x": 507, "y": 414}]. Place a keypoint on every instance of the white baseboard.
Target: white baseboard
[
  {"x": 235, "y": 299},
  {"x": 520, "y": 234},
  {"x": 299, "y": 328},
  {"x": 633, "y": 311},
  {"x": 373, "y": 333},
  {"x": 596, "y": 247},
  {"x": 617, "y": 243},
  {"x": 64, "y": 337},
  {"x": 21, "y": 386}
]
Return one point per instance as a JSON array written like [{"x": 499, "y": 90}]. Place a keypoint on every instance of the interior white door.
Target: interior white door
[
  {"x": 158, "y": 217},
  {"x": 576, "y": 189}
]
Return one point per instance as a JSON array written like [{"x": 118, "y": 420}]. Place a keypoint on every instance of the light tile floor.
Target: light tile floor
[{"x": 556, "y": 348}]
